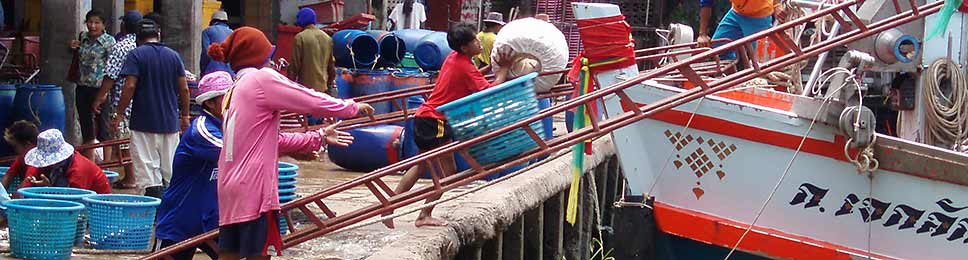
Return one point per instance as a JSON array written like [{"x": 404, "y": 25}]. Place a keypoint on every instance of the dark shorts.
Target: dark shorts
[
  {"x": 430, "y": 133},
  {"x": 188, "y": 253},
  {"x": 252, "y": 238}
]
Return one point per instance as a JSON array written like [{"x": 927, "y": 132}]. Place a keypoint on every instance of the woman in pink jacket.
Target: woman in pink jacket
[{"x": 248, "y": 165}]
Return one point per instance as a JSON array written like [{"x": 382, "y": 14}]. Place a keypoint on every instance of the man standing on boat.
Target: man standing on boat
[{"x": 745, "y": 18}]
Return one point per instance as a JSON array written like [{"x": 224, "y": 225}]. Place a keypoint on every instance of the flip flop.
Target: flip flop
[{"x": 119, "y": 185}]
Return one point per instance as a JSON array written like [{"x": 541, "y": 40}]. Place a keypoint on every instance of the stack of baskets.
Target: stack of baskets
[{"x": 287, "y": 188}]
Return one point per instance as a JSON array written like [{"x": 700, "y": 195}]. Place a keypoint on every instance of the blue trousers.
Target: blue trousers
[{"x": 735, "y": 26}]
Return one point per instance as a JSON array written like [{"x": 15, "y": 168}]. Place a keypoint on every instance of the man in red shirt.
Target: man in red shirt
[
  {"x": 23, "y": 136},
  {"x": 55, "y": 163},
  {"x": 458, "y": 78}
]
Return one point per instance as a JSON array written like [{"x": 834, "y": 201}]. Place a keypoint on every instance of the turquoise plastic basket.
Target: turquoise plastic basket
[
  {"x": 287, "y": 184},
  {"x": 493, "y": 109},
  {"x": 287, "y": 192},
  {"x": 67, "y": 194},
  {"x": 287, "y": 198},
  {"x": 287, "y": 168},
  {"x": 121, "y": 222},
  {"x": 42, "y": 228},
  {"x": 112, "y": 176},
  {"x": 14, "y": 183}
]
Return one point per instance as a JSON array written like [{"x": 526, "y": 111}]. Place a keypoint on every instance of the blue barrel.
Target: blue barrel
[
  {"x": 547, "y": 124},
  {"x": 354, "y": 49},
  {"x": 411, "y": 37},
  {"x": 392, "y": 48},
  {"x": 41, "y": 104},
  {"x": 431, "y": 51},
  {"x": 357, "y": 83},
  {"x": 7, "y": 94},
  {"x": 409, "y": 78},
  {"x": 373, "y": 147}
]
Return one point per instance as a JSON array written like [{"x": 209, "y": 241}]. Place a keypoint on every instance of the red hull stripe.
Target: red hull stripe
[
  {"x": 723, "y": 232},
  {"x": 834, "y": 150}
]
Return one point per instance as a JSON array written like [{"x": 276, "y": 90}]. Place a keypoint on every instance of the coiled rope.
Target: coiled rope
[{"x": 947, "y": 108}]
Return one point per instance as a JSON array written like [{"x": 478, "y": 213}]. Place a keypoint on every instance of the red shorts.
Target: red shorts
[{"x": 254, "y": 237}]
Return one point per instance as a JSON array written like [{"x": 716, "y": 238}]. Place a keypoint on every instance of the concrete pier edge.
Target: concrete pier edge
[{"x": 485, "y": 214}]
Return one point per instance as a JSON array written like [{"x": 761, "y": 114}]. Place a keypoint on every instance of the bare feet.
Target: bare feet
[{"x": 430, "y": 221}]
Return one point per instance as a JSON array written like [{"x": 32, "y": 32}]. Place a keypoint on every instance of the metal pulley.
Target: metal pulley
[{"x": 857, "y": 123}]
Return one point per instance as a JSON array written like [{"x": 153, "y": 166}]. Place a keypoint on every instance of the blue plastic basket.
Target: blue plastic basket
[
  {"x": 493, "y": 109},
  {"x": 121, "y": 222},
  {"x": 287, "y": 176},
  {"x": 287, "y": 198},
  {"x": 42, "y": 228},
  {"x": 287, "y": 192},
  {"x": 14, "y": 183},
  {"x": 287, "y": 168},
  {"x": 66, "y": 194},
  {"x": 112, "y": 176},
  {"x": 287, "y": 184}
]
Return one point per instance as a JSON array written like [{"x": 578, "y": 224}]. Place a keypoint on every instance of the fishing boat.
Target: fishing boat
[{"x": 785, "y": 175}]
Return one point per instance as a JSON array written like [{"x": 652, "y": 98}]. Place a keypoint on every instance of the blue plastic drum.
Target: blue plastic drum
[
  {"x": 355, "y": 49},
  {"x": 431, "y": 51},
  {"x": 373, "y": 147},
  {"x": 41, "y": 104}
]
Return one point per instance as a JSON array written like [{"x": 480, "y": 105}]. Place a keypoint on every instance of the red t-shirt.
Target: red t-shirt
[
  {"x": 82, "y": 174},
  {"x": 17, "y": 169},
  {"x": 458, "y": 78}
]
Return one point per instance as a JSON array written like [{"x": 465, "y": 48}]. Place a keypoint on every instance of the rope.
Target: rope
[
  {"x": 945, "y": 118},
  {"x": 786, "y": 171}
]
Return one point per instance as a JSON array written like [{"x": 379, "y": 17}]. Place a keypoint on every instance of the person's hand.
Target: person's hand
[
  {"x": 41, "y": 181},
  {"x": 75, "y": 44},
  {"x": 504, "y": 56},
  {"x": 336, "y": 137},
  {"x": 185, "y": 122},
  {"x": 364, "y": 109},
  {"x": 704, "y": 41},
  {"x": 96, "y": 106}
]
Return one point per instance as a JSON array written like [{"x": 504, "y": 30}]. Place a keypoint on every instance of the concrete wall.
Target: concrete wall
[
  {"x": 501, "y": 221},
  {"x": 113, "y": 9},
  {"x": 61, "y": 21},
  {"x": 182, "y": 31}
]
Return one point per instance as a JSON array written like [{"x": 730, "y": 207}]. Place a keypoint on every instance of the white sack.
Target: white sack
[{"x": 539, "y": 39}]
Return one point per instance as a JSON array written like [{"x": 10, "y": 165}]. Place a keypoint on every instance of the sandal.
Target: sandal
[{"x": 119, "y": 185}]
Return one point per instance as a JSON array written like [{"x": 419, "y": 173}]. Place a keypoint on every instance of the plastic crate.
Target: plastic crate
[
  {"x": 42, "y": 228},
  {"x": 14, "y": 182},
  {"x": 493, "y": 109},
  {"x": 65, "y": 194},
  {"x": 121, "y": 222}
]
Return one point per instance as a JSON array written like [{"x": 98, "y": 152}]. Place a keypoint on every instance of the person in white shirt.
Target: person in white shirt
[{"x": 406, "y": 15}]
